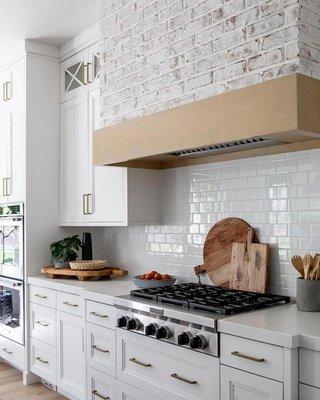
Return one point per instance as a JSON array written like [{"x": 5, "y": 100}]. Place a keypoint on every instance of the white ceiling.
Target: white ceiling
[{"x": 47, "y": 21}]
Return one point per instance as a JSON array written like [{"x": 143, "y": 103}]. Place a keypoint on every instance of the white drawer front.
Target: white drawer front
[
  {"x": 12, "y": 352},
  {"x": 42, "y": 324},
  {"x": 127, "y": 392},
  {"x": 309, "y": 367},
  {"x": 100, "y": 386},
  {"x": 43, "y": 360},
  {"x": 101, "y": 349},
  {"x": 239, "y": 385},
  {"x": 70, "y": 303},
  {"x": 308, "y": 392},
  {"x": 43, "y": 296},
  {"x": 100, "y": 314},
  {"x": 166, "y": 370},
  {"x": 251, "y": 356}
]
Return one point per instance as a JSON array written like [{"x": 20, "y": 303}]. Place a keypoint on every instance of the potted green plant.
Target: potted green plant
[{"x": 65, "y": 250}]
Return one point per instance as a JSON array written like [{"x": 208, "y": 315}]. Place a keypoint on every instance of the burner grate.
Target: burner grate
[{"x": 210, "y": 298}]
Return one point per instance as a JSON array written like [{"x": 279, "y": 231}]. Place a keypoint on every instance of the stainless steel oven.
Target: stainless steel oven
[
  {"x": 12, "y": 309},
  {"x": 11, "y": 241}
]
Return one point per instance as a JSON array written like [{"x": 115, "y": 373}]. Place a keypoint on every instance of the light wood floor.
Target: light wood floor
[{"x": 12, "y": 388}]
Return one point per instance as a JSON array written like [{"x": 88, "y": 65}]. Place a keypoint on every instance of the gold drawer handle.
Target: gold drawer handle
[
  {"x": 42, "y": 361},
  {"x": 99, "y": 315},
  {"x": 99, "y": 349},
  {"x": 66, "y": 303},
  {"x": 7, "y": 351},
  {"x": 135, "y": 361},
  {"x": 241, "y": 355},
  {"x": 42, "y": 323},
  {"x": 180, "y": 378},
  {"x": 40, "y": 296},
  {"x": 96, "y": 393}
]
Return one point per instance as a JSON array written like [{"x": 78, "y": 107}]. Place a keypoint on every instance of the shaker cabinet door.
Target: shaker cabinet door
[
  {"x": 74, "y": 76},
  {"x": 70, "y": 355},
  {"x": 73, "y": 161},
  {"x": 239, "y": 385}
]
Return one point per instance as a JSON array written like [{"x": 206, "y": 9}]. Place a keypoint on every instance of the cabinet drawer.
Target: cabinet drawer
[
  {"x": 127, "y": 392},
  {"x": 70, "y": 303},
  {"x": 100, "y": 386},
  {"x": 43, "y": 296},
  {"x": 100, "y": 314},
  {"x": 239, "y": 385},
  {"x": 43, "y": 360},
  {"x": 12, "y": 352},
  {"x": 101, "y": 349},
  {"x": 309, "y": 367},
  {"x": 43, "y": 324},
  {"x": 308, "y": 392},
  {"x": 168, "y": 371},
  {"x": 251, "y": 356}
]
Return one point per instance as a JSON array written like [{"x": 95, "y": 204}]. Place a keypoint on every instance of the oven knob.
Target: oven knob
[
  {"x": 150, "y": 329},
  {"x": 122, "y": 322},
  {"x": 184, "y": 338},
  {"x": 133, "y": 324},
  {"x": 163, "y": 332},
  {"x": 198, "y": 342}
]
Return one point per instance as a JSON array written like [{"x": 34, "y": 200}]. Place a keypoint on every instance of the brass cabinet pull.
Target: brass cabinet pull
[
  {"x": 42, "y": 361},
  {"x": 7, "y": 351},
  {"x": 7, "y": 187},
  {"x": 88, "y": 73},
  {"x": 99, "y": 315},
  {"x": 40, "y": 296},
  {"x": 4, "y": 96},
  {"x": 4, "y": 187},
  {"x": 96, "y": 393},
  {"x": 66, "y": 303},
  {"x": 7, "y": 91},
  {"x": 42, "y": 323},
  {"x": 84, "y": 204},
  {"x": 180, "y": 378},
  {"x": 89, "y": 208},
  {"x": 135, "y": 361},
  {"x": 241, "y": 355},
  {"x": 99, "y": 349}
]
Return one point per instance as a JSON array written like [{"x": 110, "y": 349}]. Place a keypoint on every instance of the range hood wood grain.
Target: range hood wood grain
[{"x": 284, "y": 109}]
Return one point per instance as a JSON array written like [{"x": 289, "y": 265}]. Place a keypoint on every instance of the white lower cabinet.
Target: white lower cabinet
[
  {"x": 70, "y": 355},
  {"x": 308, "y": 392},
  {"x": 168, "y": 371},
  {"x": 240, "y": 385},
  {"x": 100, "y": 386},
  {"x": 43, "y": 360},
  {"x": 127, "y": 392},
  {"x": 12, "y": 352}
]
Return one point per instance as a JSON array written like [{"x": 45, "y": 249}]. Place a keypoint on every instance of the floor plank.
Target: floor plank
[{"x": 12, "y": 388}]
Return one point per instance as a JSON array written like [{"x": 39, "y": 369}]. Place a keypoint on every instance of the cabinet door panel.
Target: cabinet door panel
[
  {"x": 71, "y": 356},
  {"x": 95, "y": 66},
  {"x": 239, "y": 385},
  {"x": 73, "y": 76},
  {"x": 5, "y": 134},
  {"x": 126, "y": 392},
  {"x": 108, "y": 184},
  {"x": 73, "y": 164}
]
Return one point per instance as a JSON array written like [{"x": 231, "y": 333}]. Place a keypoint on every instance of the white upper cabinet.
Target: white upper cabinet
[
  {"x": 12, "y": 84},
  {"x": 74, "y": 76},
  {"x": 94, "y": 66}
]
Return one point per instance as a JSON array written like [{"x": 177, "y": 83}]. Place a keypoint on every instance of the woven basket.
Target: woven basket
[{"x": 88, "y": 265}]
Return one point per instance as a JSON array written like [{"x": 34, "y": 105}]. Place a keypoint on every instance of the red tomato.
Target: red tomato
[
  {"x": 166, "y": 276},
  {"x": 148, "y": 277},
  {"x": 143, "y": 276},
  {"x": 153, "y": 273},
  {"x": 158, "y": 276}
]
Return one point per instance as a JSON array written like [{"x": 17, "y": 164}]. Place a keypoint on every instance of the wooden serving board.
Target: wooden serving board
[
  {"x": 218, "y": 248},
  {"x": 249, "y": 266},
  {"x": 53, "y": 272}
]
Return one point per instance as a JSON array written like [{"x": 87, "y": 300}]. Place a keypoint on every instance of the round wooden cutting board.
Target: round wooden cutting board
[{"x": 218, "y": 248}]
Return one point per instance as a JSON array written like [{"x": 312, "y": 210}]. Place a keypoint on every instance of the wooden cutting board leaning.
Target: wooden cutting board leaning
[
  {"x": 218, "y": 248},
  {"x": 249, "y": 265}
]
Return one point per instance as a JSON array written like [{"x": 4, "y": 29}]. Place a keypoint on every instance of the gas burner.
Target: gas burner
[{"x": 212, "y": 299}]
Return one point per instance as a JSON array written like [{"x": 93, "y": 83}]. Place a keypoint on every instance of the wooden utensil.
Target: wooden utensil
[
  {"x": 315, "y": 267},
  {"x": 218, "y": 248},
  {"x": 297, "y": 262},
  {"x": 307, "y": 264},
  {"x": 249, "y": 265}
]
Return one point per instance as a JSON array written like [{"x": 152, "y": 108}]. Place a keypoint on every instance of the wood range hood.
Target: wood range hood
[{"x": 277, "y": 116}]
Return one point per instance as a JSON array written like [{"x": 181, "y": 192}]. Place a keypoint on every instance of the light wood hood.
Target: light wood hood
[{"x": 285, "y": 110}]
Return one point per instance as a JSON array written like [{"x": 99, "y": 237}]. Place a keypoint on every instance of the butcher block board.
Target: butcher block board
[
  {"x": 218, "y": 248},
  {"x": 53, "y": 272},
  {"x": 249, "y": 267}
]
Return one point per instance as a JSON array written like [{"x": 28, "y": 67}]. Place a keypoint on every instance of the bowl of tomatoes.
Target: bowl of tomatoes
[{"x": 153, "y": 279}]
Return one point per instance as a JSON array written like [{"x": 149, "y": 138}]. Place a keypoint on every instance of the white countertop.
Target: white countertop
[
  {"x": 103, "y": 291},
  {"x": 282, "y": 325}
]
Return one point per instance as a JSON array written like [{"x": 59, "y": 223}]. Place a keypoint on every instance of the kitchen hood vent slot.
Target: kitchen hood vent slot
[{"x": 226, "y": 147}]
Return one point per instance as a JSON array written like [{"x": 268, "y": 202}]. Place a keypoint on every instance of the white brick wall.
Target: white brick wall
[{"x": 157, "y": 54}]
